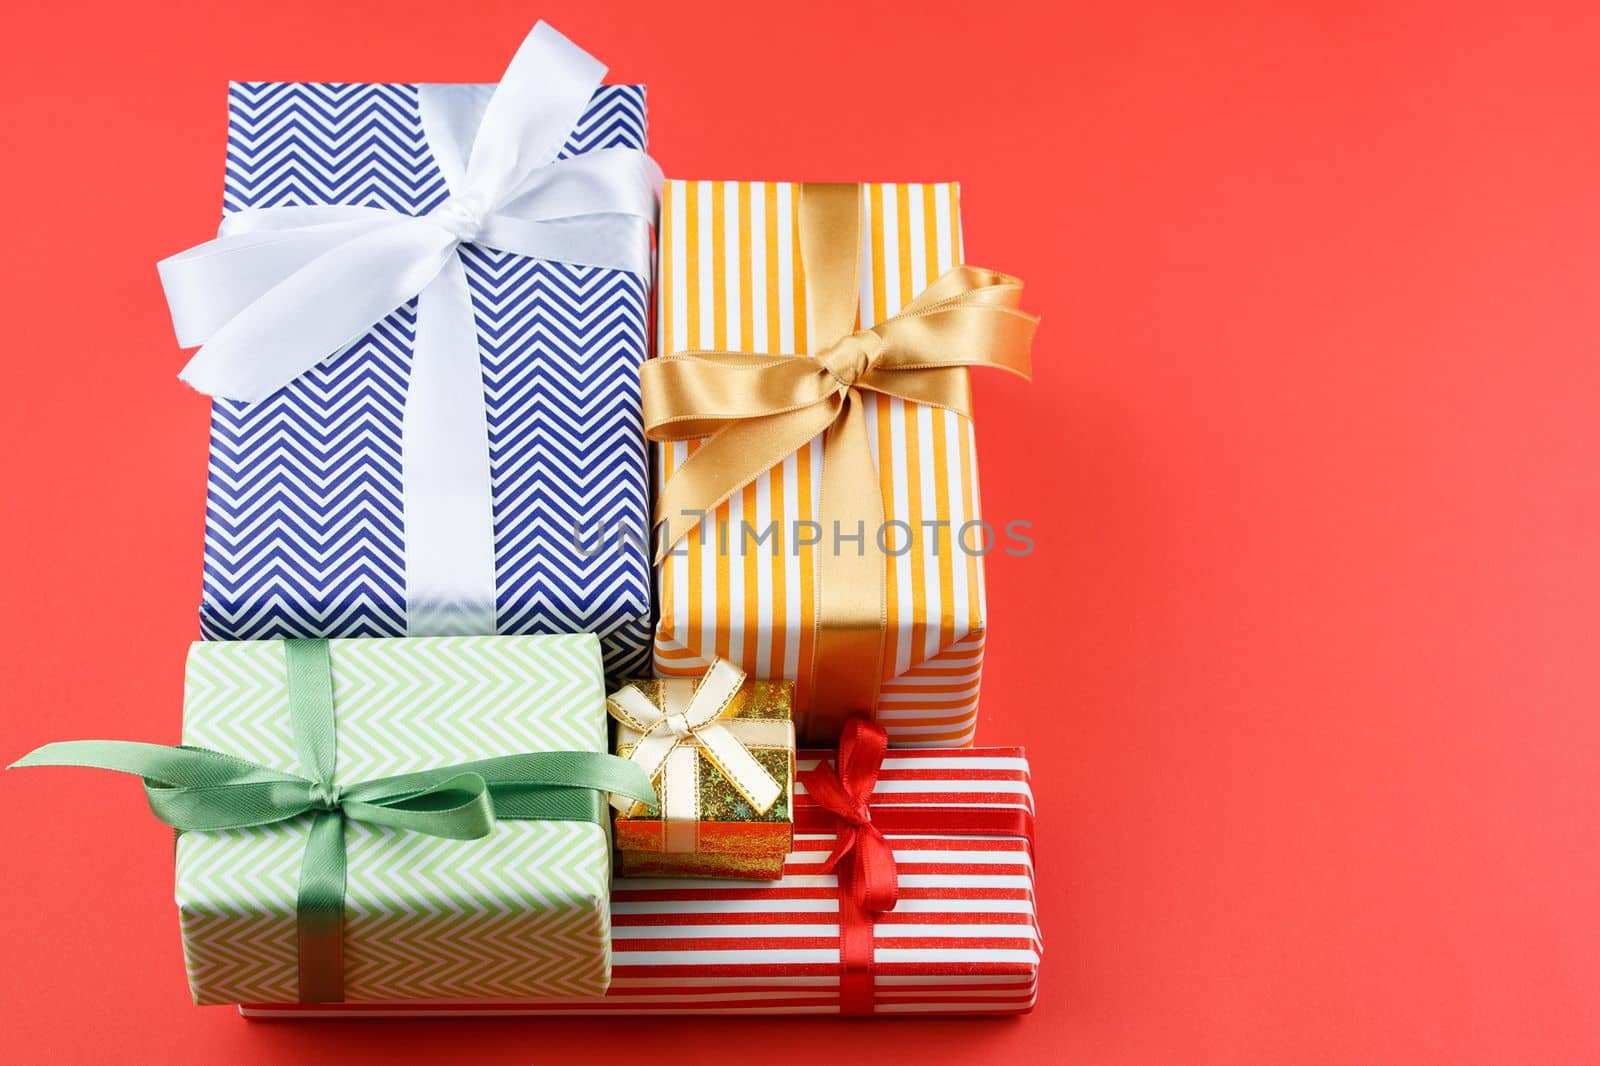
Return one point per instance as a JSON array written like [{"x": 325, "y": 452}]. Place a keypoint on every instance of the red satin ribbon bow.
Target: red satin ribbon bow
[
  {"x": 873, "y": 881},
  {"x": 840, "y": 802}
]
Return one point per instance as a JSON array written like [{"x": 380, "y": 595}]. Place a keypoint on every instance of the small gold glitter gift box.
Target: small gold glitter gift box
[{"x": 720, "y": 752}]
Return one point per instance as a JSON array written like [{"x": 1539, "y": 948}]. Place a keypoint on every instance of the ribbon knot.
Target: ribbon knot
[
  {"x": 848, "y": 359},
  {"x": 324, "y": 796},
  {"x": 846, "y": 793},
  {"x": 462, "y": 215},
  {"x": 679, "y": 724}
]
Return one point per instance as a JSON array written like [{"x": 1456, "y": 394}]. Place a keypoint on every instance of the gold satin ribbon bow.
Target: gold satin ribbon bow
[
  {"x": 695, "y": 717},
  {"x": 754, "y": 410}
]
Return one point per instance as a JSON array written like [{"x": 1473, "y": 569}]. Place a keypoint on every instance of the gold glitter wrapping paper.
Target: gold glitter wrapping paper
[{"x": 732, "y": 840}]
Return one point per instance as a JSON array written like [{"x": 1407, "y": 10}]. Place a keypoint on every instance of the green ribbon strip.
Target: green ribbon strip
[{"x": 196, "y": 790}]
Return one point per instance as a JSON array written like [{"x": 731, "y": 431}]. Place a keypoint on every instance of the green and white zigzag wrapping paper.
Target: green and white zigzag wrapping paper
[{"x": 521, "y": 913}]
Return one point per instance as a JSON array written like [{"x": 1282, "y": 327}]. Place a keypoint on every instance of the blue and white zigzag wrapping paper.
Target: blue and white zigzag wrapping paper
[{"x": 304, "y": 526}]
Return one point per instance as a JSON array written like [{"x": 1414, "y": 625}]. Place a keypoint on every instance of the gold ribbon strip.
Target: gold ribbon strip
[
  {"x": 693, "y": 717},
  {"x": 754, "y": 410}
]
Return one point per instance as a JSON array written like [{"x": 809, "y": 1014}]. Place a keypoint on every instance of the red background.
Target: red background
[{"x": 1305, "y": 658}]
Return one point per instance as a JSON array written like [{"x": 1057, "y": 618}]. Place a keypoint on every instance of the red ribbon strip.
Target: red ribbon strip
[
  {"x": 924, "y": 819},
  {"x": 840, "y": 802}
]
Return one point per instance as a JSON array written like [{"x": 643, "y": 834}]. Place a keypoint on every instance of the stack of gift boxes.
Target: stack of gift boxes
[{"x": 424, "y": 768}]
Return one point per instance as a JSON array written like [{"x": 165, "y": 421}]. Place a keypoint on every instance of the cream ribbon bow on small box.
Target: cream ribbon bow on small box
[{"x": 667, "y": 740}]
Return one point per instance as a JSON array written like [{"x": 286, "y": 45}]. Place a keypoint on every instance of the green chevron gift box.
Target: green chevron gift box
[{"x": 387, "y": 819}]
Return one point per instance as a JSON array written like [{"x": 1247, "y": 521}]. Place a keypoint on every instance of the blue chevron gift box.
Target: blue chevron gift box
[{"x": 305, "y": 527}]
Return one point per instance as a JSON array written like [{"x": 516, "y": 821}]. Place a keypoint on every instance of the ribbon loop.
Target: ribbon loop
[{"x": 459, "y": 807}]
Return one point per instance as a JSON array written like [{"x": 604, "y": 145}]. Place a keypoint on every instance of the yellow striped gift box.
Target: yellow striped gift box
[{"x": 731, "y": 278}]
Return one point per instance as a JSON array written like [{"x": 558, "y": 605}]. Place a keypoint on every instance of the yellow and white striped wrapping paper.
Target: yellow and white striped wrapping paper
[{"x": 731, "y": 279}]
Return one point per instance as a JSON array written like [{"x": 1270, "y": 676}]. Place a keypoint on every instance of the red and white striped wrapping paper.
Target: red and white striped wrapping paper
[{"x": 962, "y": 939}]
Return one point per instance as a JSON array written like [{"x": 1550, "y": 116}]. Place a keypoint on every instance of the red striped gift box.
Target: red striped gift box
[{"x": 962, "y": 938}]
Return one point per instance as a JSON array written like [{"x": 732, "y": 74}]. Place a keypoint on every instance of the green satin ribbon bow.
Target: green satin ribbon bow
[{"x": 193, "y": 789}]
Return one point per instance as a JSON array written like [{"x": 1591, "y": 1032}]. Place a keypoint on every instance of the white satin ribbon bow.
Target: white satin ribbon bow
[
  {"x": 283, "y": 288},
  {"x": 693, "y": 717}
]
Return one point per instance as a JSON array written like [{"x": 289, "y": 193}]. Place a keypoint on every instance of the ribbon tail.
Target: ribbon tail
[
  {"x": 726, "y": 462},
  {"x": 622, "y": 778},
  {"x": 318, "y": 310},
  {"x": 651, "y": 754},
  {"x": 748, "y": 776},
  {"x": 211, "y": 283},
  {"x": 174, "y": 766},
  {"x": 654, "y": 744},
  {"x": 187, "y": 788},
  {"x": 842, "y": 845},
  {"x": 877, "y": 881},
  {"x": 517, "y": 781},
  {"x": 712, "y": 701}
]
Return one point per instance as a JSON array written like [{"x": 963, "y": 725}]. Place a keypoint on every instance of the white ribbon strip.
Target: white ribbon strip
[
  {"x": 680, "y": 802},
  {"x": 692, "y": 718},
  {"x": 283, "y": 288}
]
